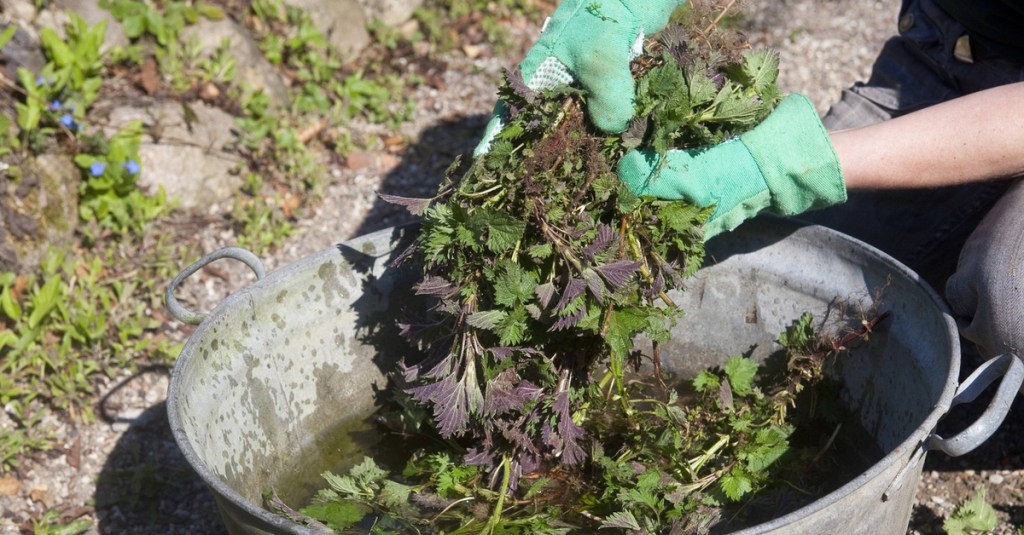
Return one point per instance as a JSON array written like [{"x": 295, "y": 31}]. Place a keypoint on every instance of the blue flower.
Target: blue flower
[
  {"x": 55, "y": 105},
  {"x": 97, "y": 168},
  {"x": 40, "y": 80},
  {"x": 68, "y": 121},
  {"x": 132, "y": 166}
]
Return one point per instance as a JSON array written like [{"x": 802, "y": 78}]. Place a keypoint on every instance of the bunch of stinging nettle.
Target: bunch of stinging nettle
[{"x": 542, "y": 268}]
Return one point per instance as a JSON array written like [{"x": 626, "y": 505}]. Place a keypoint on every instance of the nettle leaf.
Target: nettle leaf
[
  {"x": 568, "y": 431},
  {"x": 368, "y": 472},
  {"x": 769, "y": 445},
  {"x": 702, "y": 87},
  {"x": 604, "y": 239},
  {"x": 514, "y": 285},
  {"x": 337, "y": 515},
  {"x": 736, "y": 483},
  {"x": 512, "y": 330},
  {"x": 741, "y": 372},
  {"x": 486, "y": 319},
  {"x": 394, "y": 495},
  {"x": 706, "y": 380},
  {"x": 545, "y": 293},
  {"x": 451, "y": 400},
  {"x": 617, "y": 274},
  {"x": 413, "y": 205},
  {"x": 570, "y": 320},
  {"x": 573, "y": 289},
  {"x": 761, "y": 68},
  {"x": 507, "y": 392},
  {"x": 622, "y": 520},
  {"x": 434, "y": 285},
  {"x": 344, "y": 485},
  {"x": 540, "y": 251},
  {"x": 623, "y": 325},
  {"x": 503, "y": 230},
  {"x": 595, "y": 284},
  {"x": 973, "y": 515}
]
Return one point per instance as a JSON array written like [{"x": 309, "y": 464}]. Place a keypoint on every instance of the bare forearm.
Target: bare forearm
[{"x": 972, "y": 138}]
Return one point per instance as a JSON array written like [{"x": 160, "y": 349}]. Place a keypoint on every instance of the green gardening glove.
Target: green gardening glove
[
  {"x": 592, "y": 41},
  {"x": 785, "y": 165}
]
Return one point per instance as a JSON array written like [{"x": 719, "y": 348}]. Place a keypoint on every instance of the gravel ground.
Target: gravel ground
[{"x": 125, "y": 471}]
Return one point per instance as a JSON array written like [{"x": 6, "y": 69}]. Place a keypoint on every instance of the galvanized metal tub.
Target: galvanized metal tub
[{"x": 277, "y": 367}]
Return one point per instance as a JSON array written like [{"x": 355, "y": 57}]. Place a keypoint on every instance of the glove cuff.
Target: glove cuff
[{"x": 793, "y": 151}]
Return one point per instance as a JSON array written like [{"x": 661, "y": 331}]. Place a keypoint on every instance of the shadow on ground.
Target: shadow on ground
[
  {"x": 422, "y": 168},
  {"x": 147, "y": 486}
]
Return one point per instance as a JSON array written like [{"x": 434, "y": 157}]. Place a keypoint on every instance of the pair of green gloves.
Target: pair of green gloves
[{"x": 785, "y": 165}]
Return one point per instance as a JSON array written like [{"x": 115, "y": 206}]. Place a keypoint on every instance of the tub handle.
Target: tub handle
[
  {"x": 190, "y": 317},
  {"x": 1007, "y": 366},
  {"x": 1011, "y": 369}
]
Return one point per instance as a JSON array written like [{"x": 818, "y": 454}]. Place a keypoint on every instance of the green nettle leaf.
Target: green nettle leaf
[
  {"x": 394, "y": 495},
  {"x": 622, "y": 520},
  {"x": 368, "y": 472},
  {"x": 337, "y": 515},
  {"x": 514, "y": 285},
  {"x": 623, "y": 325},
  {"x": 972, "y": 516},
  {"x": 487, "y": 319},
  {"x": 741, "y": 372},
  {"x": 503, "y": 230},
  {"x": 736, "y": 483},
  {"x": 345, "y": 485},
  {"x": 761, "y": 68}
]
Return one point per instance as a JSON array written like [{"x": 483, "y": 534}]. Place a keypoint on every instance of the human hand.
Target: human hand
[
  {"x": 591, "y": 41},
  {"x": 785, "y": 165}
]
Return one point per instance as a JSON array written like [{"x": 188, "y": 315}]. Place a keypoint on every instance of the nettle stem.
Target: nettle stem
[{"x": 506, "y": 477}]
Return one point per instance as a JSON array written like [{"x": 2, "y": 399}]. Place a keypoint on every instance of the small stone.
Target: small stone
[
  {"x": 359, "y": 160},
  {"x": 996, "y": 479}
]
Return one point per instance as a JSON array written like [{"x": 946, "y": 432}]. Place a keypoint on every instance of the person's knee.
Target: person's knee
[{"x": 987, "y": 291}]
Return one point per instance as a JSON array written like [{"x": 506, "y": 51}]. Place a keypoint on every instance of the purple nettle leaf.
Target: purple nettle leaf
[
  {"x": 451, "y": 408},
  {"x": 658, "y": 286},
  {"x": 507, "y": 393},
  {"x": 605, "y": 238},
  {"x": 618, "y": 273},
  {"x": 502, "y": 353},
  {"x": 550, "y": 437},
  {"x": 501, "y": 396},
  {"x": 414, "y": 205},
  {"x": 479, "y": 457},
  {"x": 572, "y": 452},
  {"x": 518, "y": 85},
  {"x": 595, "y": 284},
  {"x": 572, "y": 291},
  {"x": 672, "y": 270},
  {"x": 515, "y": 435},
  {"x": 444, "y": 368},
  {"x": 529, "y": 391},
  {"x": 409, "y": 373},
  {"x": 434, "y": 285},
  {"x": 545, "y": 292},
  {"x": 571, "y": 320},
  {"x": 406, "y": 254}
]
